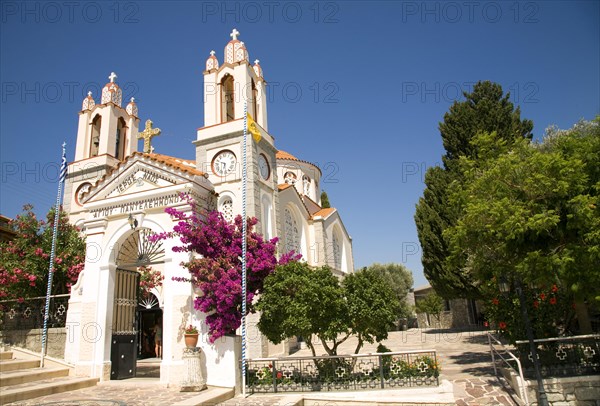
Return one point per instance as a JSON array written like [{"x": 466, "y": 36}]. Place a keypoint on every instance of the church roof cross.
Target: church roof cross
[
  {"x": 234, "y": 34},
  {"x": 212, "y": 53},
  {"x": 147, "y": 136},
  {"x": 112, "y": 77}
]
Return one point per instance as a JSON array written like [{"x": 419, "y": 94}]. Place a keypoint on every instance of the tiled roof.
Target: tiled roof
[
  {"x": 184, "y": 165},
  {"x": 283, "y": 186},
  {"x": 285, "y": 155},
  {"x": 324, "y": 212},
  {"x": 289, "y": 157}
]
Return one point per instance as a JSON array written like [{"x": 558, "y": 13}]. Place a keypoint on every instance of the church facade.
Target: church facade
[{"x": 118, "y": 196}]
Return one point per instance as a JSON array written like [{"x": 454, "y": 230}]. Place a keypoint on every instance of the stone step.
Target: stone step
[
  {"x": 6, "y": 355},
  {"x": 16, "y": 364},
  {"x": 212, "y": 396},
  {"x": 30, "y": 390},
  {"x": 18, "y": 377}
]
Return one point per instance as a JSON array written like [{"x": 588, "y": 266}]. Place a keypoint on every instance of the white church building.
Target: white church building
[{"x": 118, "y": 197}]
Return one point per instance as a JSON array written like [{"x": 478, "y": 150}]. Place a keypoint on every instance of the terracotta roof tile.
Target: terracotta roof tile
[
  {"x": 283, "y": 186},
  {"x": 289, "y": 157},
  {"x": 184, "y": 165},
  {"x": 285, "y": 155},
  {"x": 324, "y": 212}
]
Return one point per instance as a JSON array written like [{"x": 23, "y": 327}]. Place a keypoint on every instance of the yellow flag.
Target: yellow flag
[{"x": 253, "y": 128}]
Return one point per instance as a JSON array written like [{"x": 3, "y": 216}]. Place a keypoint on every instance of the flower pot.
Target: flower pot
[{"x": 191, "y": 340}]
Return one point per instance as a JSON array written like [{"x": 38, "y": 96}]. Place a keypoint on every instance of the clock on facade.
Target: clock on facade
[
  {"x": 224, "y": 163},
  {"x": 263, "y": 167}
]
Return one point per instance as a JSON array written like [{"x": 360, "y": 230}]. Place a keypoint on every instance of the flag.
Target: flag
[
  {"x": 253, "y": 128},
  {"x": 63, "y": 166}
]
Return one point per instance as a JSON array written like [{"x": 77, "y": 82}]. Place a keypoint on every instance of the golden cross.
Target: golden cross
[{"x": 147, "y": 136}]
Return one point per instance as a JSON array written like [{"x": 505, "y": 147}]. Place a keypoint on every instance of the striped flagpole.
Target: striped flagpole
[
  {"x": 244, "y": 184},
  {"x": 61, "y": 180}
]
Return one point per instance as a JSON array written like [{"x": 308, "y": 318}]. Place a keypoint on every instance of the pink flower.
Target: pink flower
[{"x": 502, "y": 325}]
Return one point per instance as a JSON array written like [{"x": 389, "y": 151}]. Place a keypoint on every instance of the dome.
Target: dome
[
  {"x": 235, "y": 50},
  {"x": 212, "y": 62},
  {"x": 132, "y": 108},
  {"x": 112, "y": 92},
  {"x": 88, "y": 102}
]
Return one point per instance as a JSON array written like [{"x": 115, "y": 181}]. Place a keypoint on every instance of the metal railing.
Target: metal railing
[
  {"x": 562, "y": 356},
  {"x": 497, "y": 355},
  {"x": 343, "y": 372},
  {"x": 28, "y": 314}
]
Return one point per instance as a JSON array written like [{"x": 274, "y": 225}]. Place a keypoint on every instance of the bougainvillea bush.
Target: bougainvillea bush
[
  {"x": 25, "y": 261},
  {"x": 218, "y": 272}
]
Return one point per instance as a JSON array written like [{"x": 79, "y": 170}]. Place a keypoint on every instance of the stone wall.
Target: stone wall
[
  {"x": 576, "y": 391},
  {"x": 571, "y": 391},
  {"x": 444, "y": 322},
  {"x": 32, "y": 340}
]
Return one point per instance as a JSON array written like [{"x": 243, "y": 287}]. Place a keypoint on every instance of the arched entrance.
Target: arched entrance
[{"x": 138, "y": 259}]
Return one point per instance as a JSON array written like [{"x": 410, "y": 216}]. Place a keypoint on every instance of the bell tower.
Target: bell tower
[
  {"x": 107, "y": 133},
  {"x": 235, "y": 83},
  {"x": 230, "y": 90}
]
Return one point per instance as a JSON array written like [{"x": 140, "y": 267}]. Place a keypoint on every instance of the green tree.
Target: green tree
[
  {"x": 486, "y": 109},
  {"x": 431, "y": 304},
  {"x": 531, "y": 214},
  {"x": 373, "y": 306},
  {"x": 400, "y": 279},
  {"x": 25, "y": 261},
  {"x": 325, "y": 200},
  {"x": 312, "y": 303},
  {"x": 300, "y": 301}
]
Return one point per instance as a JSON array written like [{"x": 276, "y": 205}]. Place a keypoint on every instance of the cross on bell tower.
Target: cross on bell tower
[
  {"x": 147, "y": 136},
  {"x": 234, "y": 34},
  {"x": 112, "y": 77}
]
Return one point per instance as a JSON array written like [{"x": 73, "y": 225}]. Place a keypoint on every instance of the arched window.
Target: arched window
[
  {"x": 226, "y": 209},
  {"x": 292, "y": 232},
  {"x": 337, "y": 251},
  {"x": 254, "y": 111},
  {"x": 227, "y": 99},
  {"x": 289, "y": 178},
  {"x": 306, "y": 185},
  {"x": 95, "y": 136},
  {"x": 120, "y": 139},
  {"x": 266, "y": 217}
]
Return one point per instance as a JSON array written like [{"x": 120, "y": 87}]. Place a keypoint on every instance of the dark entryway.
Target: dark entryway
[{"x": 123, "y": 355}]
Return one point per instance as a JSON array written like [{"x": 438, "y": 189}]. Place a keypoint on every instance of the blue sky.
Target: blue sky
[{"x": 357, "y": 87}]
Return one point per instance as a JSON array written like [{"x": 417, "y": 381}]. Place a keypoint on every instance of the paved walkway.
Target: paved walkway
[
  {"x": 464, "y": 358},
  {"x": 130, "y": 392}
]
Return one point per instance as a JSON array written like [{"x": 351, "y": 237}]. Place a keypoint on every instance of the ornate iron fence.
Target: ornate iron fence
[
  {"x": 29, "y": 313},
  {"x": 343, "y": 372},
  {"x": 562, "y": 356}
]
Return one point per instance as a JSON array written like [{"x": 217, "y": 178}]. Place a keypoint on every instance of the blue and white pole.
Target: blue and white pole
[
  {"x": 244, "y": 184},
  {"x": 61, "y": 180}
]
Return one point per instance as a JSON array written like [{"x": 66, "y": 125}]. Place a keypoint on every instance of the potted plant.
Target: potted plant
[{"x": 191, "y": 336}]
